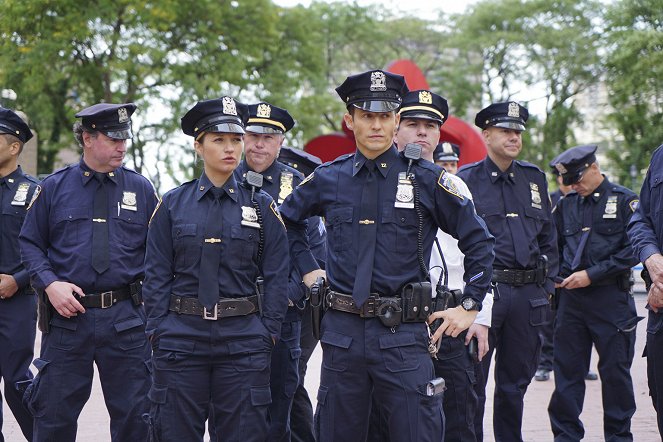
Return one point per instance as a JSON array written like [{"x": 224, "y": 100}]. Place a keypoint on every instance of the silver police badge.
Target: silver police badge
[
  {"x": 229, "y": 107},
  {"x": 378, "y": 81},
  {"x": 249, "y": 217},
  {"x": 264, "y": 111},
  {"x": 21, "y": 195},
  {"x": 611, "y": 207},
  {"x": 129, "y": 201},
  {"x": 404, "y": 192},
  {"x": 514, "y": 110},
  {"x": 425, "y": 97},
  {"x": 535, "y": 195},
  {"x": 122, "y": 115}
]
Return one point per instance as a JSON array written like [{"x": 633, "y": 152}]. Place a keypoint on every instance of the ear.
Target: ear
[
  {"x": 15, "y": 148},
  {"x": 87, "y": 137},
  {"x": 198, "y": 148},
  {"x": 348, "y": 121}
]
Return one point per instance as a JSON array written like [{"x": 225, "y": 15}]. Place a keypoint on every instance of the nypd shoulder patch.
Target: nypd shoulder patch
[
  {"x": 34, "y": 196},
  {"x": 445, "y": 182},
  {"x": 634, "y": 205},
  {"x": 276, "y": 212}
]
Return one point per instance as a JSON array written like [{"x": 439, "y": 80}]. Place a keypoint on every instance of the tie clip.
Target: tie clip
[
  {"x": 585, "y": 229},
  {"x": 366, "y": 221},
  {"x": 511, "y": 215},
  {"x": 98, "y": 220},
  {"x": 212, "y": 240}
]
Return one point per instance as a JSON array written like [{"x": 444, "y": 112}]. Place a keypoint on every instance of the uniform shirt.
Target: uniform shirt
[
  {"x": 56, "y": 237},
  {"x": 453, "y": 257},
  {"x": 533, "y": 209},
  {"x": 646, "y": 226},
  {"x": 555, "y": 197},
  {"x": 16, "y": 190},
  {"x": 278, "y": 181},
  {"x": 174, "y": 248},
  {"x": 334, "y": 191},
  {"x": 608, "y": 251}
]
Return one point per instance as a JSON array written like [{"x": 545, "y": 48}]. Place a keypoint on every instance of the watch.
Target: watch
[{"x": 470, "y": 304}]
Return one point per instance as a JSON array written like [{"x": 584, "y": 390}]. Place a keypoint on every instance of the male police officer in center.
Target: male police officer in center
[
  {"x": 17, "y": 299},
  {"x": 595, "y": 305},
  {"x": 83, "y": 242},
  {"x": 512, "y": 198},
  {"x": 375, "y": 211},
  {"x": 265, "y": 133}
]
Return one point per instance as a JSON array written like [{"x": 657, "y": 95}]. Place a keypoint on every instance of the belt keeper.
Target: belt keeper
[{"x": 178, "y": 304}]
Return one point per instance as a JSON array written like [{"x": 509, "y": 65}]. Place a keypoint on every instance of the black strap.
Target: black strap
[
  {"x": 104, "y": 299},
  {"x": 445, "y": 269},
  {"x": 100, "y": 254},
  {"x": 516, "y": 277},
  {"x": 224, "y": 308}
]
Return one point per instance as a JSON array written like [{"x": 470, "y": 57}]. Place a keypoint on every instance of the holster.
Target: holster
[
  {"x": 445, "y": 299},
  {"x": 136, "y": 289},
  {"x": 44, "y": 312},
  {"x": 625, "y": 281},
  {"x": 646, "y": 277},
  {"x": 260, "y": 291},
  {"x": 417, "y": 301},
  {"x": 318, "y": 293},
  {"x": 541, "y": 270}
]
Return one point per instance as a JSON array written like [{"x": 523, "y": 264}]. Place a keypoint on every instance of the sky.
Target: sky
[{"x": 419, "y": 8}]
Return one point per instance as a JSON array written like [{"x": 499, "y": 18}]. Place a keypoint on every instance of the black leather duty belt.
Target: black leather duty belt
[
  {"x": 105, "y": 299},
  {"x": 370, "y": 308},
  {"x": 515, "y": 277},
  {"x": 186, "y": 305}
]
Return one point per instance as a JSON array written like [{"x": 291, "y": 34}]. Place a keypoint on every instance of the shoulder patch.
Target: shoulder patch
[
  {"x": 276, "y": 212},
  {"x": 307, "y": 179},
  {"x": 159, "y": 201},
  {"x": 447, "y": 184},
  {"x": 634, "y": 205},
  {"x": 34, "y": 196}
]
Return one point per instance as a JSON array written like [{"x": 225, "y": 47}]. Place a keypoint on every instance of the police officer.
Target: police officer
[
  {"x": 446, "y": 155},
  {"x": 512, "y": 198},
  {"x": 645, "y": 231},
  {"x": 422, "y": 114},
  {"x": 83, "y": 242},
  {"x": 374, "y": 343},
  {"x": 18, "y": 302},
  {"x": 301, "y": 414},
  {"x": 211, "y": 330},
  {"x": 265, "y": 133},
  {"x": 595, "y": 305}
]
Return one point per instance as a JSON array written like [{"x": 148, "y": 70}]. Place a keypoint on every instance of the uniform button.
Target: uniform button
[
  {"x": 251, "y": 236},
  {"x": 403, "y": 219},
  {"x": 70, "y": 217}
]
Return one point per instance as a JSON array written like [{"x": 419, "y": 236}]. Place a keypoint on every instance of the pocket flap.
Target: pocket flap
[
  {"x": 336, "y": 339},
  {"x": 69, "y": 324},
  {"x": 127, "y": 324},
  {"x": 252, "y": 345},
  {"x": 261, "y": 396},
  {"x": 245, "y": 233},
  {"x": 71, "y": 214},
  {"x": 322, "y": 395},
  {"x": 538, "y": 302},
  {"x": 180, "y": 345},
  {"x": 295, "y": 353},
  {"x": 158, "y": 393},
  {"x": 40, "y": 363},
  {"x": 338, "y": 215},
  {"x": 397, "y": 340},
  {"x": 181, "y": 230}
]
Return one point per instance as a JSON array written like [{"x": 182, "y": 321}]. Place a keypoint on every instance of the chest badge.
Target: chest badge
[
  {"x": 21, "y": 195},
  {"x": 129, "y": 201},
  {"x": 286, "y": 186},
  {"x": 611, "y": 207},
  {"x": 250, "y": 217},
  {"x": 404, "y": 192},
  {"x": 535, "y": 195}
]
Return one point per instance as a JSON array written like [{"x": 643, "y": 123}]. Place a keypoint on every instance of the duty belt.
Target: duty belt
[
  {"x": 515, "y": 277},
  {"x": 104, "y": 299},
  {"x": 370, "y": 308},
  {"x": 186, "y": 305}
]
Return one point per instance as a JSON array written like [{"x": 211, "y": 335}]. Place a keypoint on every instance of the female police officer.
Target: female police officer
[{"x": 212, "y": 334}]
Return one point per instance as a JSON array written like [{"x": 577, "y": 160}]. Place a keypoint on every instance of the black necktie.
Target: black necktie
[
  {"x": 514, "y": 221},
  {"x": 367, "y": 235},
  {"x": 100, "y": 258},
  {"x": 208, "y": 275},
  {"x": 586, "y": 229}
]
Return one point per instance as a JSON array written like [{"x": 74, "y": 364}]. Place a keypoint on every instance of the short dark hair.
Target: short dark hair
[
  {"x": 11, "y": 139},
  {"x": 79, "y": 129}
]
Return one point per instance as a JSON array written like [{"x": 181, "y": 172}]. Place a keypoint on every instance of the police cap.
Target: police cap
[
  {"x": 424, "y": 105},
  {"x": 11, "y": 123},
  {"x": 446, "y": 151},
  {"x": 572, "y": 163},
  {"x": 373, "y": 91},
  {"x": 509, "y": 115},
  {"x": 217, "y": 115},
  {"x": 112, "y": 120},
  {"x": 298, "y": 159},
  {"x": 267, "y": 119}
]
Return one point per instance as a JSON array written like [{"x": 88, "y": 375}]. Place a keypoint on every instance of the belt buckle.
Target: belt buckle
[
  {"x": 104, "y": 298},
  {"x": 368, "y": 308},
  {"x": 211, "y": 315}
]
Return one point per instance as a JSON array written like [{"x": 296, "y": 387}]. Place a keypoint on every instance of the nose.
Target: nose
[{"x": 122, "y": 145}]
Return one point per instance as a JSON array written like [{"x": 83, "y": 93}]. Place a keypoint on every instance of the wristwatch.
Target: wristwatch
[{"x": 470, "y": 304}]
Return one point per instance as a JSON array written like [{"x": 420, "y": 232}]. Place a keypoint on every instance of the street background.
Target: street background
[{"x": 94, "y": 421}]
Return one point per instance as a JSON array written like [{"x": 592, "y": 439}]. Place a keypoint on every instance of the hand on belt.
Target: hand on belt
[{"x": 104, "y": 299}]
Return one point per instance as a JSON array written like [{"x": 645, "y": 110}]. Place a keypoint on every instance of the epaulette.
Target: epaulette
[
  {"x": 31, "y": 178},
  {"x": 470, "y": 165},
  {"x": 123, "y": 167},
  {"x": 337, "y": 160},
  {"x": 59, "y": 171},
  {"x": 528, "y": 165}
]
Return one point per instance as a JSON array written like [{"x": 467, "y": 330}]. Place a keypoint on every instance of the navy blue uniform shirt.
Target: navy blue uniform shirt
[
  {"x": 646, "y": 226},
  {"x": 334, "y": 191},
  {"x": 533, "y": 208},
  {"x": 608, "y": 251},
  {"x": 174, "y": 248},
  {"x": 56, "y": 239},
  {"x": 272, "y": 178},
  {"x": 16, "y": 190}
]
